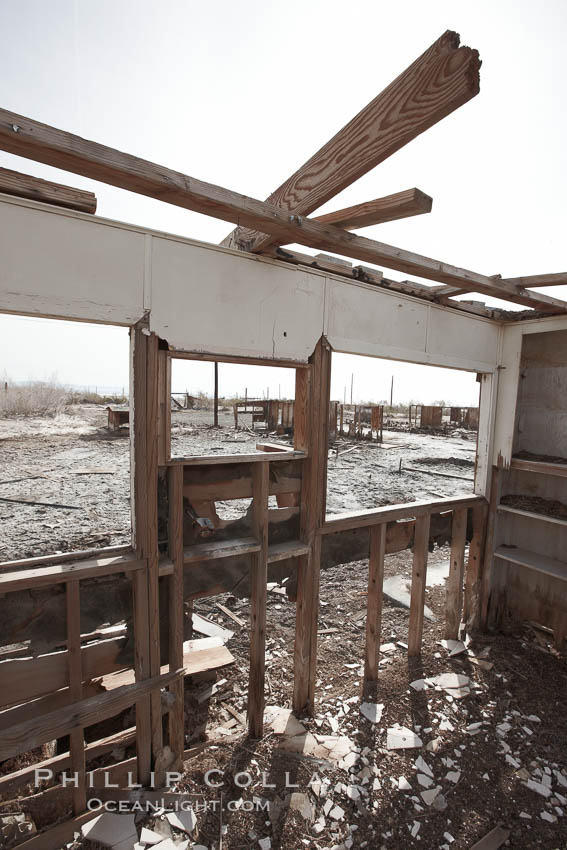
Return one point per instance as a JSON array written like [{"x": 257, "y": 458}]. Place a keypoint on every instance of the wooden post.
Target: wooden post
[
  {"x": 76, "y": 736},
  {"x": 313, "y": 389},
  {"x": 138, "y": 466},
  {"x": 374, "y": 612},
  {"x": 175, "y": 587},
  {"x": 258, "y": 585},
  {"x": 473, "y": 577},
  {"x": 495, "y": 493},
  {"x": 341, "y": 414},
  {"x": 164, "y": 407},
  {"x": 216, "y": 399},
  {"x": 152, "y": 537},
  {"x": 454, "y": 597},
  {"x": 417, "y": 604}
]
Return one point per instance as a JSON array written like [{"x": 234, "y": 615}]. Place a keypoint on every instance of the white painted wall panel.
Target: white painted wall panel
[
  {"x": 66, "y": 265},
  {"x": 209, "y": 300},
  {"x": 452, "y": 334},
  {"x": 364, "y": 320}
]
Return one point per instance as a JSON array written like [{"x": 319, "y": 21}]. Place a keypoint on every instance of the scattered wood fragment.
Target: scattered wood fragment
[
  {"x": 493, "y": 839},
  {"x": 230, "y": 614}
]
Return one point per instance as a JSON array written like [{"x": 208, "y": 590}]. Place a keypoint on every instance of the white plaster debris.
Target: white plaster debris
[
  {"x": 423, "y": 767},
  {"x": 453, "y": 647},
  {"x": 403, "y": 784},
  {"x": 372, "y": 711},
  {"x": 424, "y": 781},
  {"x": 525, "y": 816},
  {"x": 400, "y": 738},
  {"x": 418, "y": 685},
  {"x": 451, "y": 681},
  {"x": 538, "y": 787},
  {"x": 430, "y": 795},
  {"x": 117, "y": 831},
  {"x": 283, "y": 722},
  {"x": 182, "y": 820},
  {"x": 448, "y": 837},
  {"x": 453, "y": 776},
  {"x": 415, "y": 828},
  {"x": 148, "y": 836},
  {"x": 265, "y": 843},
  {"x": 548, "y": 817},
  {"x": 337, "y": 813}
]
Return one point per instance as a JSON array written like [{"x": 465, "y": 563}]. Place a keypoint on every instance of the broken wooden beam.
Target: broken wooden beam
[
  {"x": 390, "y": 208},
  {"x": 31, "y": 139},
  {"x": 35, "y": 189},
  {"x": 558, "y": 279},
  {"x": 443, "y": 78}
]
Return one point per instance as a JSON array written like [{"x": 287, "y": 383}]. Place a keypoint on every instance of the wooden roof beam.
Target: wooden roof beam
[
  {"x": 443, "y": 78},
  {"x": 35, "y": 189},
  {"x": 389, "y": 208},
  {"x": 559, "y": 279},
  {"x": 31, "y": 139}
]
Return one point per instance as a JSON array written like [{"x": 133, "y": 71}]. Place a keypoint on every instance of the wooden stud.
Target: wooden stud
[
  {"x": 77, "y": 737},
  {"x": 315, "y": 435},
  {"x": 258, "y": 591},
  {"x": 164, "y": 407},
  {"x": 152, "y": 395},
  {"x": 374, "y": 611},
  {"x": 454, "y": 596},
  {"x": 36, "y": 189},
  {"x": 473, "y": 578},
  {"x": 175, "y": 587},
  {"x": 486, "y": 617},
  {"x": 138, "y": 465},
  {"x": 419, "y": 574}
]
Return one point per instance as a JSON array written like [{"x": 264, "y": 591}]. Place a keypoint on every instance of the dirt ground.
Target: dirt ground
[
  {"x": 65, "y": 481},
  {"x": 496, "y": 750}
]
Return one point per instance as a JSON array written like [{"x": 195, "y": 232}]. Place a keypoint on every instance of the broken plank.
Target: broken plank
[
  {"x": 441, "y": 80},
  {"x": 36, "y": 189},
  {"x": 207, "y": 627},
  {"x": 390, "y": 208},
  {"x": 25, "y": 736},
  {"x": 230, "y": 614}
]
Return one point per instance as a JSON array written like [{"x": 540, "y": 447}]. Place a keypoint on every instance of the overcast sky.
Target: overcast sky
[{"x": 242, "y": 95}]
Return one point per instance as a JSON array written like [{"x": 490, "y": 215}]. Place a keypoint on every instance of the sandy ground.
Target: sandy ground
[{"x": 79, "y": 470}]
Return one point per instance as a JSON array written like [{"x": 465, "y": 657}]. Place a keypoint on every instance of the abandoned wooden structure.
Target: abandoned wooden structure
[
  {"x": 252, "y": 301},
  {"x": 362, "y": 421},
  {"x": 432, "y": 415}
]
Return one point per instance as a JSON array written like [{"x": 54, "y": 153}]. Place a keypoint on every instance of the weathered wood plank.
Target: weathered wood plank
[
  {"x": 26, "y": 736},
  {"x": 390, "y": 513},
  {"x": 59, "y": 573},
  {"x": 374, "y": 609},
  {"x": 389, "y": 208},
  {"x": 77, "y": 737},
  {"x": 454, "y": 595},
  {"x": 313, "y": 395},
  {"x": 175, "y": 590},
  {"x": 473, "y": 579},
  {"x": 258, "y": 583},
  {"x": 36, "y": 189},
  {"x": 419, "y": 573},
  {"x": 24, "y": 137}
]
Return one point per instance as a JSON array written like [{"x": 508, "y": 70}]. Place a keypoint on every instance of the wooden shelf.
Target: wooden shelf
[
  {"x": 289, "y": 549},
  {"x": 257, "y": 457},
  {"x": 220, "y": 549},
  {"x": 558, "y": 469},
  {"x": 507, "y": 509},
  {"x": 531, "y": 561}
]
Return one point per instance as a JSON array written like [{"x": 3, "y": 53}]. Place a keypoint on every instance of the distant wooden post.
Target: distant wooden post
[{"x": 216, "y": 402}]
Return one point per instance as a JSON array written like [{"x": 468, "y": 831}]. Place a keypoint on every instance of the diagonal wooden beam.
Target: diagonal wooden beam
[
  {"x": 36, "y": 189},
  {"x": 443, "y": 78},
  {"x": 24, "y": 137},
  {"x": 390, "y": 208}
]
